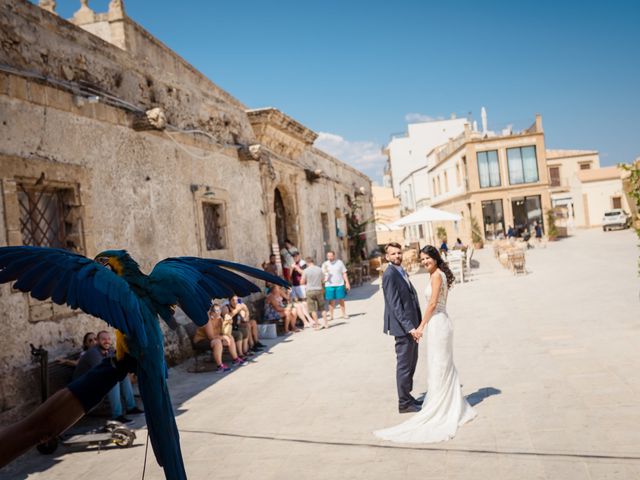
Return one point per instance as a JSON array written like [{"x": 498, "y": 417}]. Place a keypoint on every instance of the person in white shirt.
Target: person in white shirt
[{"x": 336, "y": 283}]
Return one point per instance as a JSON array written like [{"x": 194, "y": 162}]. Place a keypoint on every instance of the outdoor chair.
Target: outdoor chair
[
  {"x": 469, "y": 255},
  {"x": 375, "y": 266},
  {"x": 504, "y": 259},
  {"x": 456, "y": 264},
  {"x": 410, "y": 261},
  {"x": 366, "y": 275},
  {"x": 354, "y": 272},
  {"x": 517, "y": 262}
]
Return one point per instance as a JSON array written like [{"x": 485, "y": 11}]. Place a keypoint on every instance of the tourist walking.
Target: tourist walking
[
  {"x": 336, "y": 283},
  {"x": 312, "y": 278}
]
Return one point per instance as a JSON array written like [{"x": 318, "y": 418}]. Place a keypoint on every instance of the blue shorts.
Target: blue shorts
[{"x": 335, "y": 293}]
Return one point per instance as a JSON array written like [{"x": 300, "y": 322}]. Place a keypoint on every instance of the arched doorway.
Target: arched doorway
[{"x": 281, "y": 217}]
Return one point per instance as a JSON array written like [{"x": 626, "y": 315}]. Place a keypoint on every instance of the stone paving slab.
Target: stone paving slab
[{"x": 549, "y": 358}]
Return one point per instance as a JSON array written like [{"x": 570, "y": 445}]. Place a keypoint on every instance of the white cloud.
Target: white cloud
[
  {"x": 419, "y": 117},
  {"x": 363, "y": 155}
]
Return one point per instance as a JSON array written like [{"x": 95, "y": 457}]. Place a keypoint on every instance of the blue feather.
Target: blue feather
[{"x": 131, "y": 303}]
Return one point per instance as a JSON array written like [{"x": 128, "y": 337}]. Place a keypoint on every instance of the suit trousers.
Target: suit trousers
[{"x": 407, "y": 359}]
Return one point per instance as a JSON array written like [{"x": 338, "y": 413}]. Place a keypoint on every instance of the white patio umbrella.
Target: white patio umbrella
[
  {"x": 427, "y": 215},
  {"x": 386, "y": 227}
]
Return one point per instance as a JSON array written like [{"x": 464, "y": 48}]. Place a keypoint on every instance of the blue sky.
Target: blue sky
[{"x": 355, "y": 70}]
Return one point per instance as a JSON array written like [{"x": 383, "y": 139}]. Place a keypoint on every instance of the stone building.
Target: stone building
[
  {"x": 387, "y": 211},
  {"x": 587, "y": 191},
  {"x": 498, "y": 180},
  {"x": 111, "y": 140}
]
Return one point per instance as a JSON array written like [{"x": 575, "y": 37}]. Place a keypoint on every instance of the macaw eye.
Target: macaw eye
[{"x": 104, "y": 261}]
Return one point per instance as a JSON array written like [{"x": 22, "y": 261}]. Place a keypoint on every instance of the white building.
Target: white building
[{"x": 408, "y": 156}]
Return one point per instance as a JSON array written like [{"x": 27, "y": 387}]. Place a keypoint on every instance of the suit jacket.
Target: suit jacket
[{"x": 401, "y": 307}]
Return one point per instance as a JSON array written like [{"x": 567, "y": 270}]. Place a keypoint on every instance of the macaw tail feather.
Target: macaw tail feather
[{"x": 161, "y": 424}]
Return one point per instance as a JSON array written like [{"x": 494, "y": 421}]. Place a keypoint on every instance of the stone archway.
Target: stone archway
[{"x": 286, "y": 221}]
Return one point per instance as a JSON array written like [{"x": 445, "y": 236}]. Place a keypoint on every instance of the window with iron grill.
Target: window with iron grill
[
  {"x": 45, "y": 216},
  {"x": 214, "y": 233}
]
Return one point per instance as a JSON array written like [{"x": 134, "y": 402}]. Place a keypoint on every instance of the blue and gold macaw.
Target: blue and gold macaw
[{"x": 113, "y": 288}]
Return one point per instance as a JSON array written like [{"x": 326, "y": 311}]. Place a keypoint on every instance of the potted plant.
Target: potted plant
[
  {"x": 552, "y": 232},
  {"x": 441, "y": 233},
  {"x": 476, "y": 236}
]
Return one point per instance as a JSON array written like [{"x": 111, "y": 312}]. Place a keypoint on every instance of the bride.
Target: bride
[{"x": 445, "y": 408}]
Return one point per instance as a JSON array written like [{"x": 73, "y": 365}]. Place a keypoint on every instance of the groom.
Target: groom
[{"x": 401, "y": 319}]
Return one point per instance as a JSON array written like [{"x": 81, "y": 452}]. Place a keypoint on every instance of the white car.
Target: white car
[{"x": 616, "y": 218}]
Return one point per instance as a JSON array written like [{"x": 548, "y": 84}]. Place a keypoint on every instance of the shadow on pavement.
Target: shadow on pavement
[
  {"x": 183, "y": 385},
  {"x": 482, "y": 393},
  {"x": 364, "y": 291}
]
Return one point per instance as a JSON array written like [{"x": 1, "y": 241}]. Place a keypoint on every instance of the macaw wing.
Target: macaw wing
[
  {"x": 78, "y": 281},
  {"x": 192, "y": 282}
]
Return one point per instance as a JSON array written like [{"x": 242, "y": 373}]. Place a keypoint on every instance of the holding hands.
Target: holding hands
[{"x": 417, "y": 334}]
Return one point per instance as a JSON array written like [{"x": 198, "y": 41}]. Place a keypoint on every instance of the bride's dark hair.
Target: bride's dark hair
[{"x": 432, "y": 252}]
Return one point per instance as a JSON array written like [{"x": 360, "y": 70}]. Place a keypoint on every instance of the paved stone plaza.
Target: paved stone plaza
[{"x": 550, "y": 359}]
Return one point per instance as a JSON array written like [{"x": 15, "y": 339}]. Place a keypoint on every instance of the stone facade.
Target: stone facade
[
  {"x": 387, "y": 211},
  {"x": 198, "y": 177},
  {"x": 456, "y": 183}
]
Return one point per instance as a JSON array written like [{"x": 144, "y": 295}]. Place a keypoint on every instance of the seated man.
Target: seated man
[
  {"x": 93, "y": 357},
  {"x": 272, "y": 266},
  {"x": 248, "y": 327},
  {"x": 211, "y": 334}
]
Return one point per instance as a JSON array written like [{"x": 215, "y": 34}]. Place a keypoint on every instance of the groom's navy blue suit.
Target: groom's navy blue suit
[{"x": 401, "y": 315}]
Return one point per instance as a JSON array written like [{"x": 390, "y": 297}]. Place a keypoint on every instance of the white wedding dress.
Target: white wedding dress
[{"x": 444, "y": 409}]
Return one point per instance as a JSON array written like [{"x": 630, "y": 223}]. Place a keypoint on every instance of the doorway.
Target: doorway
[
  {"x": 281, "y": 217},
  {"x": 526, "y": 212},
  {"x": 493, "y": 218}
]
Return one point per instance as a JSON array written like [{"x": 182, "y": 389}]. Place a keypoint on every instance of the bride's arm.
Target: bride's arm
[{"x": 436, "y": 285}]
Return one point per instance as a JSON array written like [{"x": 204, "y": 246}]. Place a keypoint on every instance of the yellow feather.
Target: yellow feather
[{"x": 121, "y": 345}]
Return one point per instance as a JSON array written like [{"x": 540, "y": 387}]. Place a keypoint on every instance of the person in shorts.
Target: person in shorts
[
  {"x": 298, "y": 292},
  {"x": 247, "y": 326},
  {"x": 211, "y": 335},
  {"x": 230, "y": 328},
  {"x": 312, "y": 279},
  {"x": 336, "y": 283}
]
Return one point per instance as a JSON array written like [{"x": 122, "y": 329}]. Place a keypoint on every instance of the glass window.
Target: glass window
[
  {"x": 45, "y": 219},
  {"x": 213, "y": 225},
  {"x": 488, "y": 169},
  {"x": 523, "y": 165},
  {"x": 527, "y": 211},
  {"x": 493, "y": 218}
]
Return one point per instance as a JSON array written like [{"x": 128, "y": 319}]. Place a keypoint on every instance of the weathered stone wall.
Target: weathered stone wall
[
  {"x": 148, "y": 74},
  {"x": 139, "y": 190},
  {"x": 329, "y": 194}
]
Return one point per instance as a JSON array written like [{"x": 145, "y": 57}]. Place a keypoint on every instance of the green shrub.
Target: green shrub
[{"x": 476, "y": 235}]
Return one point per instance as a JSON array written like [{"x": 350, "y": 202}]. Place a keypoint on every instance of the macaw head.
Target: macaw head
[{"x": 118, "y": 261}]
